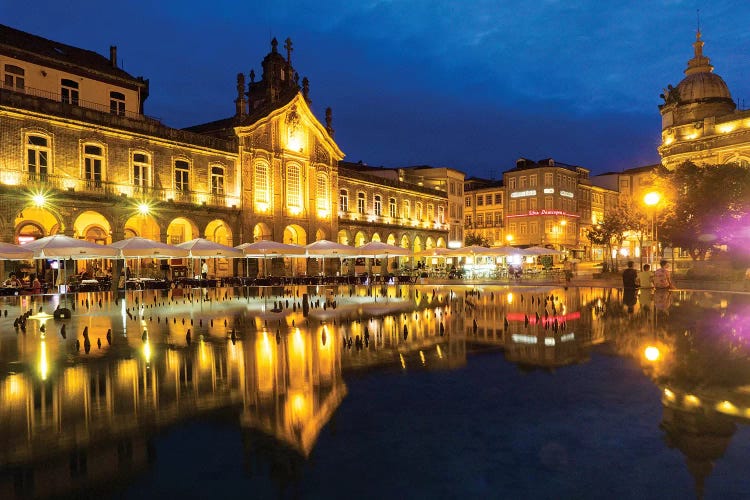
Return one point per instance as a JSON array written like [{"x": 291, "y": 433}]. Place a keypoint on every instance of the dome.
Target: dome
[
  {"x": 702, "y": 86},
  {"x": 701, "y": 83}
]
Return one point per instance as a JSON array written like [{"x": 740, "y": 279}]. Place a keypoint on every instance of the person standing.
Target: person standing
[
  {"x": 630, "y": 277},
  {"x": 204, "y": 270},
  {"x": 662, "y": 277},
  {"x": 36, "y": 285}
]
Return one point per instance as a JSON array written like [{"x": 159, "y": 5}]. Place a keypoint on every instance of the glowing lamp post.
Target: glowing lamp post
[{"x": 652, "y": 199}]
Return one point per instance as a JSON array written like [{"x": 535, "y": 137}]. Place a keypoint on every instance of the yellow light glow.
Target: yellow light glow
[
  {"x": 43, "y": 366},
  {"x": 439, "y": 352},
  {"x": 403, "y": 361},
  {"x": 652, "y": 353},
  {"x": 726, "y": 407},
  {"x": 143, "y": 208},
  {"x": 322, "y": 214},
  {"x": 652, "y": 198},
  {"x": 294, "y": 143},
  {"x": 421, "y": 357},
  {"x": 509, "y": 298},
  {"x": 668, "y": 394},
  {"x": 294, "y": 210},
  {"x": 147, "y": 351},
  {"x": 563, "y": 223},
  {"x": 668, "y": 140},
  {"x": 691, "y": 136},
  {"x": 726, "y": 128},
  {"x": 39, "y": 200},
  {"x": 691, "y": 400},
  {"x": 261, "y": 206},
  {"x": 509, "y": 238},
  {"x": 10, "y": 178}
]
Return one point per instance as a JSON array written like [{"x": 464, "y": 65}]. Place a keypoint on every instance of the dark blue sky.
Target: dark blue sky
[{"x": 467, "y": 84}]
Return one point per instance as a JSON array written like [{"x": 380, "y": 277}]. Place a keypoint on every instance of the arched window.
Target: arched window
[
  {"x": 378, "y": 205},
  {"x": 294, "y": 187},
  {"x": 262, "y": 184},
  {"x": 406, "y": 210},
  {"x": 392, "y": 208},
  {"x": 141, "y": 163},
  {"x": 361, "y": 203},
  {"x": 37, "y": 157},
  {"x": 322, "y": 201}
]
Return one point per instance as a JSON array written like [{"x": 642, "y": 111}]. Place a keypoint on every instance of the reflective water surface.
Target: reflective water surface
[{"x": 376, "y": 392}]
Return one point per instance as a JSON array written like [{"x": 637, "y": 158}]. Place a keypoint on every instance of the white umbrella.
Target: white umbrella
[
  {"x": 469, "y": 251},
  {"x": 59, "y": 246},
  {"x": 138, "y": 247},
  {"x": 378, "y": 249},
  {"x": 264, "y": 249},
  {"x": 325, "y": 248},
  {"x": 434, "y": 252},
  {"x": 505, "y": 251},
  {"x": 201, "y": 247},
  {"x": 542, "y": 251},
  {"x": 9, "y": 251}
]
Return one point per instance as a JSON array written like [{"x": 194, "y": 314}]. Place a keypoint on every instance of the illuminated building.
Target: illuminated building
[
  {"x": 484, "y": 210},
  {"x": 700, "y": 121},
  {"x": 543, "y": 204},
  {"x": 376, "y": 207},
  {"x": 75, "y": 136}
]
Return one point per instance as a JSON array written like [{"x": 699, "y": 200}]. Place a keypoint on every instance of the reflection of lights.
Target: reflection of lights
[
  {"x": 13, "y": 385},
  {"x": 668, "y": 394},
  {"x": 439, "y": 352},
  {"x": 691, "y": 400},
  {"x": 652, "y": 353},
  {"x": 403, "y": 361},
  {"x": 726, "y": 407},
  {"x": 421, "y": 357},
  {"x": 509, "y": 297},
  {"x": 147, "y": 351},
  {"x": 43, "y": 367}
]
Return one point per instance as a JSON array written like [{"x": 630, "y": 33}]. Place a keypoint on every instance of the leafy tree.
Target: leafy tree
[
  {"x": 473, "y": 238},
  {"x": 704, "y": 206}
]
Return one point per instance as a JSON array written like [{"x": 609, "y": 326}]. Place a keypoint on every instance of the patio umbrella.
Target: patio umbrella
[
  {"x": 264, "y": 249},
  {"x": 203, "y": 248},
  {"x": 9, "y": 251},
  {"x": 380, "y": 250},
  {"x": 542, "y": 251},
  {"x": 325, "y": 248},
  {"x": 61, "y": 247},
  {"x": 469, "y": 251},
  {"x": 139, "y": 248},
  {"x": 434, "y": 252},
  {"x": 505, "y": 251}
]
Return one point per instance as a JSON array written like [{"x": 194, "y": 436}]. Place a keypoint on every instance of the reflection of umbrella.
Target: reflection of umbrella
[
  {"x": 59, "y": 246},
  {"x": 9, "y": 251},
  {"x": 378, "y": 249},
  {"x": 201, "y": 247}
]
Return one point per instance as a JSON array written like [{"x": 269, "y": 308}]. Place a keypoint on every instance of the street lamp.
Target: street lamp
[
  {"x": 509, "y": 239},
  {"x": 652, "y": 199}
]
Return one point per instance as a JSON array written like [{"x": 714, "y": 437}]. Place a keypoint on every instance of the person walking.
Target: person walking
[
  {"x": 662, "y": 277},
  {"x": 630, "y": 277},
  {"x": 204, "y": 270}
]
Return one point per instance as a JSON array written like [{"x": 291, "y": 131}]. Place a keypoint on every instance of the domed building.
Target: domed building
[{"x": 700, "y": 121}]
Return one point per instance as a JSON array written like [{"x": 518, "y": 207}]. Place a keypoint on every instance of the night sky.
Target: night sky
[{"x": 472, "y": 85}]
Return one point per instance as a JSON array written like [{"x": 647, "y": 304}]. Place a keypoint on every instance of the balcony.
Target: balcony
[
  {"x": 392, "y": 221},
  {"x": 43, "y": 182}
]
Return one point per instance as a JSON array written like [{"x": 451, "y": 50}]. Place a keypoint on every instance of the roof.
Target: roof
[
  {"x": 46, "y": 52},
  {"x": 353, "y": 171}
]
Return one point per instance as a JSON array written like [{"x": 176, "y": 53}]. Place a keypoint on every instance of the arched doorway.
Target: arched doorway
[
  {"x": 429, "y": 243},
  {"x": 360, "y": 239},
  {"x": 441, "y": 242},
  {"x": 181, "y": 230},
  {"x": 144, "y": 226},
  {"x": 391, "y": 239},
  {"x": 404, "y": 244},
  {"x": 417, "y": 244},
  {"x": 219, "y": 231},
  {"x": 261, "y": 232},
  {"x": 320, "y": 235},
  {"x": 94, "y": 228},
  {"x": 295, "y": 235},
  {"x": 33, "y": 223},
  {"x": 345, "y": 237},
  {"x": 375, "y": 237}
]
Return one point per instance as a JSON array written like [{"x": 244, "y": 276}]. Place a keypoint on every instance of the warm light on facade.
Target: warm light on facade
[
  {"x": 144, "y": 208},
  {"x": 652, "y": 353},
  {"x": 726, "y": 128},
  {"x": 39, "y": 200},
  {"x": 10, "y": 178},
  {"x": 652, "y": 198}
]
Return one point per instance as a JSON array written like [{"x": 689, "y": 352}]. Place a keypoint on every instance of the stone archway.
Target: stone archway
[
  {"x": 261, "y": 232},
  {"x": 33, "y": 223},
  {"x": 219, "y": 231},
  {"x": 144, "y": 226},
  {"x": 93, "y": 227},
  {"x": 375, "y": 237},
  {"x": 441, "y": 242},
  {"x": 345, "y": 237},
  {"x": 294, "y": 234},
  {"x": 181, "y": 230},
  {"x": 360, "y": 239}
]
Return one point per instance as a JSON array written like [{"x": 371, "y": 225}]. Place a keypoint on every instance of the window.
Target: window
[
  {"x": 512, "y": 228},
  {"x": 117, "y": 103},
  {"x": 141, "y": 171},
  {"x": 419, "y": 210},
  {"x": 14, "y": 77},
  {"x": 468, "y": 201},
  {"x": 452, "y": 187},
  {"x": 378, "y": 205},
  {"x": 480, "y": 220},
  {"x": 498, "y": 199},
  {"x": 361, "y": 203},
  {"x": 37, "y": 157},
  {"x": 522, "y": 205},
  {"x": 548, "y": 226},
  {"x": 523, "y": 229},
  {"x": 430, "y": 213},
  {"x": 534, "y": 227},
  {"x": 392, "y": 207},
  {"x": 69, "y": 91},
  {"x": 343, "y": 201},
  {"x": 293, "y": 187},
  {"x": 549, "y": 178},
  {"x": 262, "y": 185},
  {"x": 441, "y": 214},
  {"x": 217, "y": 180},
  {"x": 532, "y": 180},
  {"x": 480, "y": 200},
  {"x": 488, "y": 199},
  {"x": 92, "y": 165},
  {"x": 498, "y": 218},
  {"x": 406, "y": 210},
  {"x": 512, "y": 206},
  {"x": 522, "y": 182},
  {"x": 512, "y": 183},
  {"x": 532, "y": 203},
  {"x": 181, "y": 176},
  {"x": 548, "y": 203},
  {"x": 321, "y": 191},
  {"x": 468, "y": 221}
]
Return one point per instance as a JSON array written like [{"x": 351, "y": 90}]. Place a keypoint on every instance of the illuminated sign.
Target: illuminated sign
[
  {"x": 567, "y": 194},
  {"x": 549, "y": 190},
  {"x": 520, "y": 194},
  {"x": 545, "y": 212}
]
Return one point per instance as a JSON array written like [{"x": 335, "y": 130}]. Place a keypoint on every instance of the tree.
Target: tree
[
  {"x": 473, "y": 238},
  {"x": 704, "y": 206}
]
